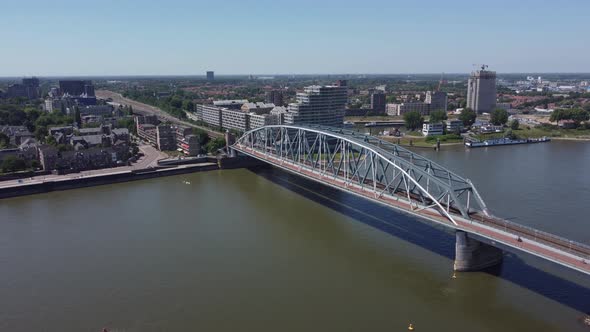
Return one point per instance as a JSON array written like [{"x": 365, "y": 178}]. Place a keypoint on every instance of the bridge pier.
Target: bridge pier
[{"x": 473, "y": 255}]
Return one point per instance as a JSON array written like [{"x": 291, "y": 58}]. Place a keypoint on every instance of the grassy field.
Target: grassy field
[
  {"x": 421, "y": 141},
  {"x": 536, "y": 132}
]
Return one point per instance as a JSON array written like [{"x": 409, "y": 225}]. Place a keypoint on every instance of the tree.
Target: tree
[
  {"x": 40, "y": 133},
  {"x": 499, "y": 117},
  {"x": 202, "y": 136},
  {"x": 51, "y": 140},
  {"x": 509, "y": 134},
  {"x": 13, "y": 164},
  {"x": 4, "y": 141},
  {"x": 514, "y": 124},
  {"x": 413, "y": 120},
  {"x": 468, "y": 116},
  {"x": 438, "y": 116},
  {"x": 578, "y": 115},
  {"x": 176, "y": 102},
  {"x": 215, "y": 144},
  {"x": 188, "y": 105}
]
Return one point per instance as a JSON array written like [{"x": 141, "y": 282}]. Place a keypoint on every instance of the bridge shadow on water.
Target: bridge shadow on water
[{"x": 431, "y": 237}]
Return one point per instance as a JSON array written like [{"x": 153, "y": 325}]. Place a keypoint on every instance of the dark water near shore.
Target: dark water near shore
[{"x": 266, "y": 251}]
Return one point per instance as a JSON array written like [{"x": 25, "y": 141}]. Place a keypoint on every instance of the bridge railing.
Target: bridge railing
[{"x": 551, "y": 240}]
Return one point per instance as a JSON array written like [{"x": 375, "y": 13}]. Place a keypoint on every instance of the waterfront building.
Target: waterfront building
[
  {"x": 378, "y": 102},
  {"x": 189, "y": 145},
  {"x": 16, "y": 134},
  {"x": 438, "y": 100},
  {"x": 145, "y": 119},
  {"x": 210, "y": 115},
  {"x": 166, "y": 138},
  {"x": 261, "y": 120},
  {"x": 454, "y": 126},
  {"x": 432, "y": 129},
  {"x": 147, "y": 132},
  {"x": 481, "y": 91},
  {"x": 403, "y": 108},
  {"x": 323, "y": 105},
  {"x": 210, "y": 76},
  {"x": 236, "y": 120}
]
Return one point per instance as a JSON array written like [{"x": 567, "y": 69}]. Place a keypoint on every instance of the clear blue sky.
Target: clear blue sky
[{"x": 147, "y": 37}]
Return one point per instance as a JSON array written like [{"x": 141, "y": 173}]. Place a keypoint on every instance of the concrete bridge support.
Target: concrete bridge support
[{"x": 473, "y": 255}]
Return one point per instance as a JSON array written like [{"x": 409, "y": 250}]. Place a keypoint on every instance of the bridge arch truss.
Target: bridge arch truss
[{"x": 363, "y": 163}]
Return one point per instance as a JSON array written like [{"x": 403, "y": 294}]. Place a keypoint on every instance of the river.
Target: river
[{"x": 264, "y": 250}]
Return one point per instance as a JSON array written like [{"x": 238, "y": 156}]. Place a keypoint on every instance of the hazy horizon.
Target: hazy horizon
[{"x": 375, "y": 37}]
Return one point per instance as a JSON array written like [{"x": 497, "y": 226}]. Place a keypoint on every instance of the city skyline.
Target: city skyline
[{"x": 262, "y": 37}]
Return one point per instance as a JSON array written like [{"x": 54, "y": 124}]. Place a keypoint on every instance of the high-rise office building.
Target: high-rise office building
[
  {"x": 341, "y": 83},
  {"x": 28, "y": 89},
  {"x": 481, "y": 91},
  {"x": 275, "y": 97},
  {"x": 378, "y": 102},
  {"x": 76, "y": 87},
  {"x": 437, "y": 99},
  {"x": 210, "y": 76},
  {"x": 323, "y": 105}
]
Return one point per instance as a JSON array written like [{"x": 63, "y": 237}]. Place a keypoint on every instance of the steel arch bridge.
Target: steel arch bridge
[{"x": 392, "y": 175}]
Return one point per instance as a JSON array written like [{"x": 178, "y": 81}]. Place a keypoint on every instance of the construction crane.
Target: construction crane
[
  {"x": 442, "y": 81},
  {"x": 482, "y": 66}
]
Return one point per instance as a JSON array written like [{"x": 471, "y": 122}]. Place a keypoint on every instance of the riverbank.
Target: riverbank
[{"x": 16, "y": 188}]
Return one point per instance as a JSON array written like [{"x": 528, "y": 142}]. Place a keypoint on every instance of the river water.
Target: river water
[{"x": 263, "y": 250}]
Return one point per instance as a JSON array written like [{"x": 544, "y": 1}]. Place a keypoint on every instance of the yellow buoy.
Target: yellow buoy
[{"x": 411, "y": 327}]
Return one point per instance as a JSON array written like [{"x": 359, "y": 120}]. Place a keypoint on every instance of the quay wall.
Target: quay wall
[{"x": 141, "y": 174}]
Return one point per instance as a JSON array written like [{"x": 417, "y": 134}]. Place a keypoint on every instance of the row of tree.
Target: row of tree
[
  {"x": 573, "y": 114},
  {"x": 414, "y": 120}
]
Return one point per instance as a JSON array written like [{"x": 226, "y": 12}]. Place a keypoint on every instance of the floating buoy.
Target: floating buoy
[
  {"x": 454, "y": 275},
  {"x": 411, "y": 327}
]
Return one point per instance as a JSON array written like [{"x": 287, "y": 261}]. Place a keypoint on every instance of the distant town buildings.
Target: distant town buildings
[
  {"x": 438, "y": 100},
  {"x": 29, "y": 88},
  {"x": 167, "y": 137},
  {"x": 378, "y": 102},
  {"x": 274, "y": 97},
  {"x": 210, "y": 76},
  {"x": 481, "y": 91},
  {"x": 258, "y": 108},
  {"x": 81, "y": 148},
  {"x": 434, "y": 101},
  {"x": 76, "y": 88},
  {"x": 232, "y": 104},
  {"x": 315, "y": 105},
  {"x": 403, "y": 108}
]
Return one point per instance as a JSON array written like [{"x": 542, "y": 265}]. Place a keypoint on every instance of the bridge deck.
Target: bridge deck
[{"x": 542, "y": 244}]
